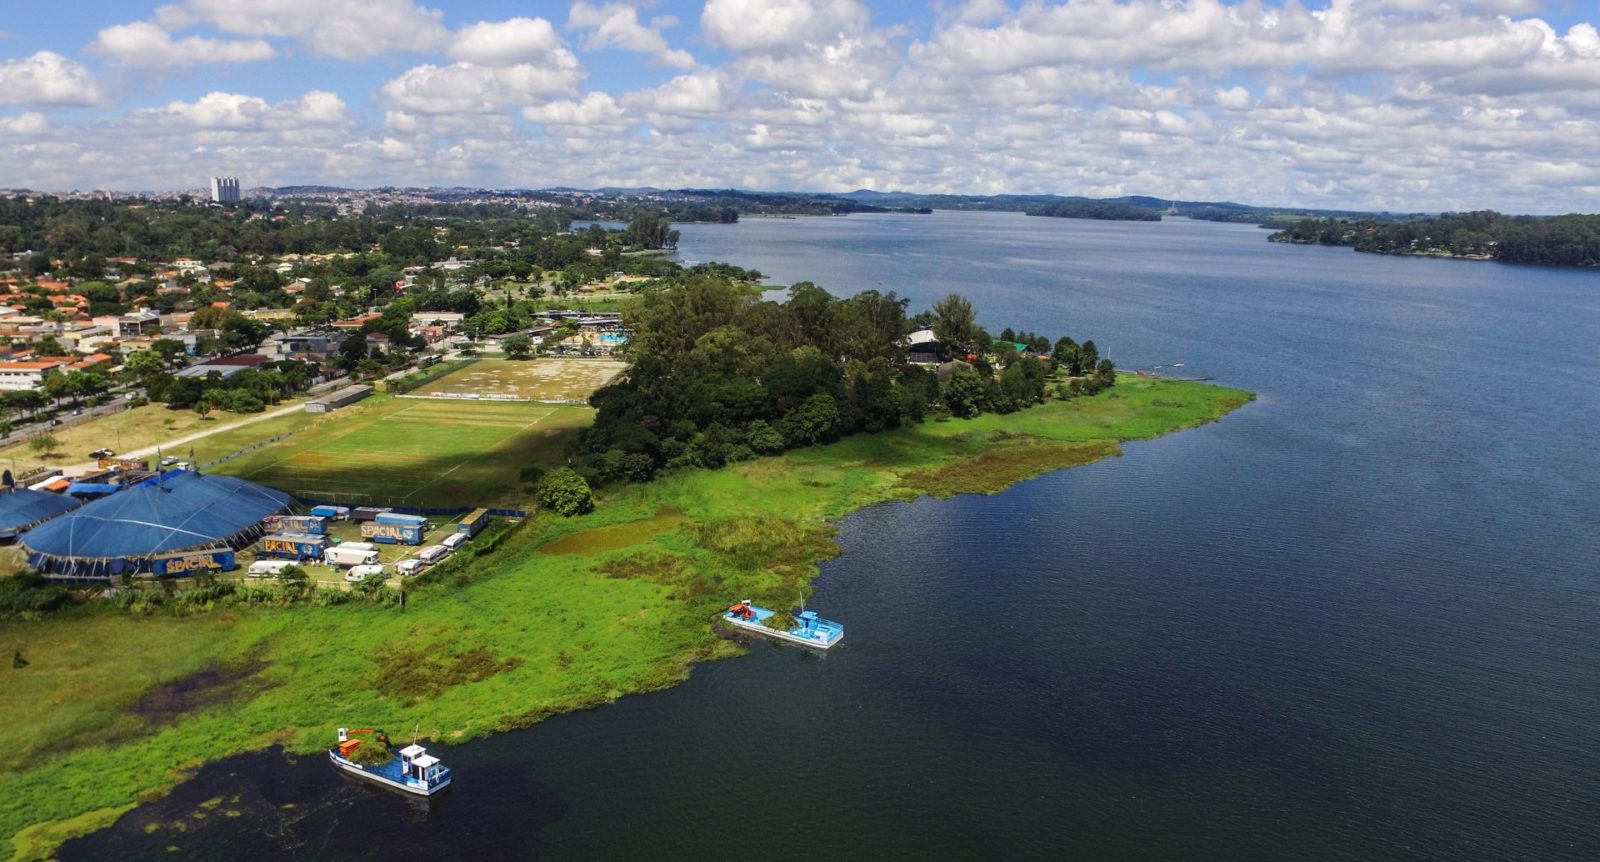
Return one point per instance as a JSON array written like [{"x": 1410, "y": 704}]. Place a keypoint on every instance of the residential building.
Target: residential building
[{"x": 225, "y": 190}]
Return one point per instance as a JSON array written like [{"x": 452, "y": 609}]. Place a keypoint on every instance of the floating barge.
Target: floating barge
[
  {"x": 413, "y": 770},
  {"x": 810, "y": 630}
]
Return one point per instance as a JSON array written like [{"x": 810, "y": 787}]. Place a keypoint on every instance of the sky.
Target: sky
[{"x": 1402, "y": 105}]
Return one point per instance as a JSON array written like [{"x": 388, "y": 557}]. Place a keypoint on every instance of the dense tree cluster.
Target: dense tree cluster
[
  {"x": 719, "y": 375},
  {"x": 1092, "y": 209},
  {"x": 1567, "y": 240}
]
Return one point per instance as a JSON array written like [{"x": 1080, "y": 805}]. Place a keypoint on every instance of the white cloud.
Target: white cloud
[
  {"x": 241, "y": 113},
  {"x": 597, "y": 111},
  {"x": 148, "y": 46},
  {"x": 780, "y": 25},
  {"x": 29, "y": 124},
  {"x": 468, "y": 88},
  {"x": 508, "y": 43},
  {"x": 343, "y": 29},
  {"x": 616, "y": 25},
  {"x": 47, "y": 79}
]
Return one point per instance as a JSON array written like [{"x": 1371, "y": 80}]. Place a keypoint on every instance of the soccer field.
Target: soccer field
[
  {"x": 413, "y": 452},
  {"x": 546, "y": 379}
]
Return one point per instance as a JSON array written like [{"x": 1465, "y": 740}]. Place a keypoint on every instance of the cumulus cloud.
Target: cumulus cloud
[
  {"x": 616, "y": 25},
  {"x": 1398, "y": 104},
  {"x": 469, "y": 88},
  {"x": 508, "y": 43},
  {"x": 28, "y": 124},
  {"x": 343, "y": 29},
  {"x": 47, "y": 79},
  {"x": 780, "y": 25},
  {"x": 235, "y": 112},
  {"x": 148, "y": 46}
]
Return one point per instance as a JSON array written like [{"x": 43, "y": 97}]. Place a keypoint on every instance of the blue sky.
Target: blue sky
[{"x": 1393, "y": 104}]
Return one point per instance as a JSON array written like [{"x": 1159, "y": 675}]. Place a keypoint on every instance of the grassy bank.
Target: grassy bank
[{"x": 567, "y": 614}]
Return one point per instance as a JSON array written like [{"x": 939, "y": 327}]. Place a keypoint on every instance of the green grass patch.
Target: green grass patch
[
  {"x": 411, "y": 452},
  {"x": 507, "y": 638}
]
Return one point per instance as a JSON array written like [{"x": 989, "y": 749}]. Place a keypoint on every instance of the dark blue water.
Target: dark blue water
[{"x": 1356, "y": 619}]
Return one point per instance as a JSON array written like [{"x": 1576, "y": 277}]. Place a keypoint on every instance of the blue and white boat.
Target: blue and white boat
[
  {"x": 412, "y": 770},
  {"x": 809, "y": 629}
]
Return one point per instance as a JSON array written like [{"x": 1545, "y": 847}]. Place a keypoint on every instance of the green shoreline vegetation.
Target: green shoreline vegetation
[{"x": 510, "y": 638}]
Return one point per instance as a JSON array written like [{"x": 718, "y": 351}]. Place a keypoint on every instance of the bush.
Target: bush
[{"x": 565, "y": 492}]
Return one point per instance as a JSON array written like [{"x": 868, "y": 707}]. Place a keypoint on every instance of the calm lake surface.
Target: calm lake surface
[{"x": 1357, "y": 619}]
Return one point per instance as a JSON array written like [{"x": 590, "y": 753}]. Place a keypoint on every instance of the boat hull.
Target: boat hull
[
  {"x": 758, "y": 628},
  {"x": 383, "y": 780}
]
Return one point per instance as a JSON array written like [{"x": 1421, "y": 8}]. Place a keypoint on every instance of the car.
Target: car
[
  {"x": 168, "y": 461},
  {"x": 102, "y": 453},
  {"x": 78, "y": 412},
  {"x": 54, "y": 422}
]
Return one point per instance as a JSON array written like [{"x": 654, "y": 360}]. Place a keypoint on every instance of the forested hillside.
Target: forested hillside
[{"x": 1566, "y": 240}]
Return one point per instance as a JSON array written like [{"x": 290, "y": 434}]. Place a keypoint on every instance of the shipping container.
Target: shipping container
[
  {"x": 476, "y": 520},
  {"x": 402, "y": 520},
  {"x": 344, "y": 555},
  {"x": 366, "y": 513},
  {"x": 392, "y": 534},
  {"x": 332, "y": 513},
  {"x": 294, "y": 546},
  {"x": 181, "y": 565}
]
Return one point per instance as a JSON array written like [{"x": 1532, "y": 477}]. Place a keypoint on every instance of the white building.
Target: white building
[
  {"x": 225, "y": 190},
  {"x": 26, "y": 376}
]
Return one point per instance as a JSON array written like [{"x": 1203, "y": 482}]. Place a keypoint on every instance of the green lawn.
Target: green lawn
[
  {"x": 416, "y": 452},
  {"x": 567, "y": 614}
]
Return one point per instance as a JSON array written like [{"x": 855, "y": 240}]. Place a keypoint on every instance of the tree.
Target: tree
[
  {"x": 57, "y": 386},
  {"x": 49, "y": 346},
  {"x": 45, "y": 445},
  {"x": 202, "y": 407},
  {"x": 144, "y": 364},
  {"x": 517, "y": 346},
  {"x": 955, "y": 324},
  {"x": 564, "y": 492},
  {"x": 964, "y": 391}
]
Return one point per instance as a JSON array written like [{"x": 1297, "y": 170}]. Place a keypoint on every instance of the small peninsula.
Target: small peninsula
[{"x": 715, "y": 468}]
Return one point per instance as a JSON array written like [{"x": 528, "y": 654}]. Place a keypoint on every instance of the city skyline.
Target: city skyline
[{"x": 1361, "y": 104}]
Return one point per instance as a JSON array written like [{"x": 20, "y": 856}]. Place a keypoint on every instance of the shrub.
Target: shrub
[{"x": 565, "y": 492}]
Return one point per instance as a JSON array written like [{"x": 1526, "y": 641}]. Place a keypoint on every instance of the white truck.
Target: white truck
[{"x": 349, "y": 555}]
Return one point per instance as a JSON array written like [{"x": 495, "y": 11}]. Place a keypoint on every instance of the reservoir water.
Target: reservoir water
[{"x": 1357, "y": 619}]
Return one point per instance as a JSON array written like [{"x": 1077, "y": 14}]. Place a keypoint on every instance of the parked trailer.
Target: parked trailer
[
  {"x": 454, "y": 541},
  {"x": 180, "y": 565},
  {"x": 361, "y": 573},
  {"x": 332, "y": 513},
  {"x": 344, "y": 555},
  {"x": 433, "y": 553},
  {"x": 294, "y": 546},
  {"x": 410, "y": 567},
  {"x": 268, "y": 568},
  {"x": 392, "y": 534},
  {"x": 402, "y": 520},
  {"x": 476, "y": 520},
  {"x": 367, "y": 513},
  {"x": 311, "y": 525}
]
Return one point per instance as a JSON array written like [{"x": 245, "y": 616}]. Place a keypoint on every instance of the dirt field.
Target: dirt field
[{"x": 543, "y": 379}]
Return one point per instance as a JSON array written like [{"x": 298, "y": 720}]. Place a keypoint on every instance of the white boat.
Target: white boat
[
  {"x": 809, "y": 629},
  {"x": 413, "y": 770}
]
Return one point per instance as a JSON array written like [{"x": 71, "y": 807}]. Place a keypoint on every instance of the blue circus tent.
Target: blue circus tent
[
  {"x": 181, "y": 511},
  {"x": 21, "y": 508}
]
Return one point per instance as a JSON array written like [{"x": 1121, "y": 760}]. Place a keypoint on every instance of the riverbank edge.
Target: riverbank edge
[{"x": 995, "y": 453}]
